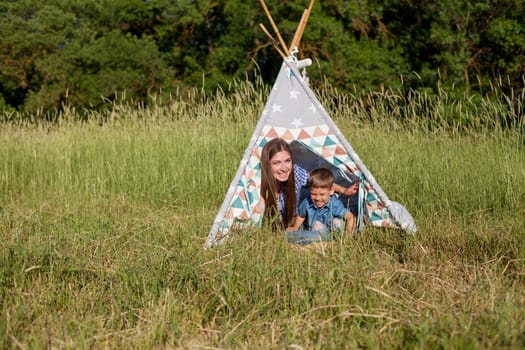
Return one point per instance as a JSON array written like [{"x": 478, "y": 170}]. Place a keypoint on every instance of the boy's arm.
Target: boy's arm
[
  {"x": 297, "y": 223},
  {"x": 350, "y": 222}
]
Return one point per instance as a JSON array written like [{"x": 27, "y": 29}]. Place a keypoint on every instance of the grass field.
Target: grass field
[{"x": 102, "y": 226}]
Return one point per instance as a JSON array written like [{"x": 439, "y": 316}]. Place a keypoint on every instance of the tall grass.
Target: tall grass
[{"x": 103, "y": 221}]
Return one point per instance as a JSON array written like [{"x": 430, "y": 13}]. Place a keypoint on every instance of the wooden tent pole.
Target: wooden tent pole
[
  {"x": 274, "y": 43},
  {"x": 283, "y": 45},
  {"x": 299, "y": 31},
  {"x": 302, "y": 24}
]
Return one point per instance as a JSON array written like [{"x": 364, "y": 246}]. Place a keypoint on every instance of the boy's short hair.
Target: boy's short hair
[{"x": 321, "y": 178}]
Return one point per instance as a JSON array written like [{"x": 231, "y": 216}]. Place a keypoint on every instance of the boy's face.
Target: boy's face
[{"x": 320, "y": 196}]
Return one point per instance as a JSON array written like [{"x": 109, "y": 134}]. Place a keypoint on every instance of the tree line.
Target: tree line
[{"x": 86, "y": 53}]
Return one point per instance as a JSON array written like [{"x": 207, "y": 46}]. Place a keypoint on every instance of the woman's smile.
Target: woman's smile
[{"x": 281, "y": 164}]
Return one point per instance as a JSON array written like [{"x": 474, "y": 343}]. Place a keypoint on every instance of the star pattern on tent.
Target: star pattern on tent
[
  {"x": 297, "y": 122},
  {"x": 294, "y": 114},
  {"x": 293, "y": 94}
]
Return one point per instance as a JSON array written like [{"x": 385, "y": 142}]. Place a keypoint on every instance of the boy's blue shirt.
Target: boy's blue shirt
[{"x": 333, "y": 209}]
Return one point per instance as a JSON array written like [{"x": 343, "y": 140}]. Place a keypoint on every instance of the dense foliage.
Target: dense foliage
[{"x": 87, "y": 53}]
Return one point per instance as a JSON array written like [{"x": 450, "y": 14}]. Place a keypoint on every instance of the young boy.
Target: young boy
[{"x": 321, "y": 213}]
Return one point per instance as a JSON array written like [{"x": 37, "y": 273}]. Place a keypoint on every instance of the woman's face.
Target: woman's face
[{"x": 281, "y": 165}]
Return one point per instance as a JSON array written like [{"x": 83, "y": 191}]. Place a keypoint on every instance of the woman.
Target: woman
[{"x": 281, "y": 184}]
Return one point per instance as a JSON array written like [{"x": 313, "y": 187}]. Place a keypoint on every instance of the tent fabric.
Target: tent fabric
[{"x": 293, "y": 113}]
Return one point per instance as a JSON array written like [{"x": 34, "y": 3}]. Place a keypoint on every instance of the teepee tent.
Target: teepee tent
[{"x": 294, "y": 113}]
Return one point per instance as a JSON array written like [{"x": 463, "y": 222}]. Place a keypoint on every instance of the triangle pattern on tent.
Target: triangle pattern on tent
[{"x": 293, "y": 113}]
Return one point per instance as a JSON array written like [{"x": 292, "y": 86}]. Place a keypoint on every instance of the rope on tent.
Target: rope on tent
[{"x": 293, "y": 54}]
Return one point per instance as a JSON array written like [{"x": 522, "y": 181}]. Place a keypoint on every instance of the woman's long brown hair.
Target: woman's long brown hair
[{"x": 270, "y": 186}]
